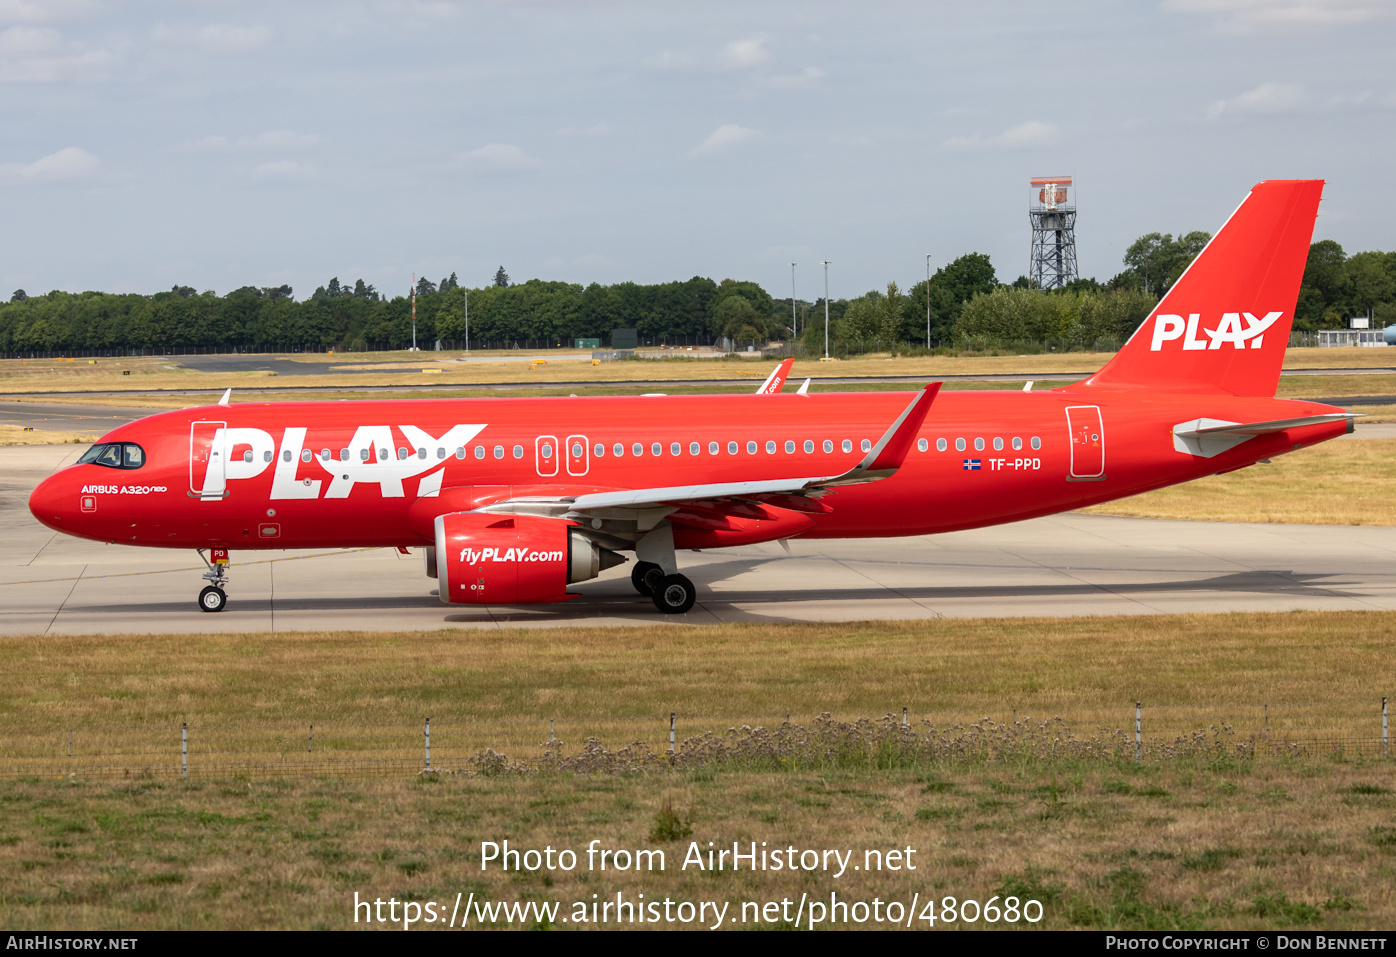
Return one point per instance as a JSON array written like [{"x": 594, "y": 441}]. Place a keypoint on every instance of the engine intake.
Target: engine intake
[{"x": 513, "y": 559}]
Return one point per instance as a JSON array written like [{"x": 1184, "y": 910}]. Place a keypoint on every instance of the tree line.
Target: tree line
[{"x": 963, "y": 305}]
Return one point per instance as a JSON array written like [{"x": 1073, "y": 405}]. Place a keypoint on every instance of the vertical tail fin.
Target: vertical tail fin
[{"x": 1224, "y": 325}]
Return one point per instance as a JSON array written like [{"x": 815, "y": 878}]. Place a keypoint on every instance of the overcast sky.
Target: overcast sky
[{"x": 218, "y": 144}]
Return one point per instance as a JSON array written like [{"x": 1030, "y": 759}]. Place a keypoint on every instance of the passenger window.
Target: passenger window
[
  {"x": 675, "y": 448},
  {"x": 809, "y": 446},
  {"x": 1017, "y": 443},
  {"x": 828, "y": 445},
  {"x": 712, "y": 448},
  {"x": 637, "y": 449},
  {"x": 324, "y": 455},
  {"x": 848, "y": 445},
  {"x": 618, "y": 449},
  {"x": 518, "y": 451},
  {"x": 731, "y": 448},
  {"x": 959, "y": 445},
  {"x": 694, "y": 448},
  {"x": 266, "y": 456},
  {"x": 401, "y": 454},
  {"x": 135, "y": 456},
  {"x": 382, "y": 455},
  {"x": 344, "y": 455},
  {"x": 246, "y": 456},
  {"x": 422, "y": 452},
  {"x": 460, "y": 452},
  {"x": 599, "y": 451},
  {"x": 940, "y": 445},
  {"x": 479, "y": 451},
  {"x": 285, "y": 455},
  {"x": 789, "y": 447},
  {"x": 751, "y": 448},
  {"x": 440, "y": 452},
  {"x": 770, "y": 447},
  {"x": 922, "y": 445},
  {"x": 1036, "y": 442},
  {"x": 867, "y": 445},
  {"x": 998, "y": 444},
  {"x": 656, "y": 449},
  {"x": 499, "y": 452},
  {"x": 979, "y": 445},
  {"x": 306, "y": 456},
  {"x": 576, "y": 450}
]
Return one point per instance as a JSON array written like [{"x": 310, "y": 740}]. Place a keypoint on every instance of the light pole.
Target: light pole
[
  {"x": 465, "y": 310},
  {"x": 794, "y": 325},
  {"x": 825, "y": 264},
  {"x": 413, "y": 293},
  {"x": 928, "y": 300}
]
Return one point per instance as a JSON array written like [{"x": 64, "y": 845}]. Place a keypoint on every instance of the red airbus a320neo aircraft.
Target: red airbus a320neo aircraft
[{"x": 512, "y": 500}]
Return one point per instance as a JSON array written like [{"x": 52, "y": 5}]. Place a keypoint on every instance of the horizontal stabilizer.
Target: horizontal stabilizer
[{"x": 1209, "y": 437}]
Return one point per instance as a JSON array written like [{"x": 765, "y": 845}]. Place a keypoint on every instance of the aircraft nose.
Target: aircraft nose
[{"x": 52, "y": 502}]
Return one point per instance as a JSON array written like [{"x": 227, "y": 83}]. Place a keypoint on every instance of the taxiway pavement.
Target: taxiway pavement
[{"x": 1068, "y": 564}]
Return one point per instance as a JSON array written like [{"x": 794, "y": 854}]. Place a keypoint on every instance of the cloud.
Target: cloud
[
  {"x": 501, "y": 158},
  {"x": 69, "y": 165},
  {"x": 41, "y": 55},
  {"x": 212, "y": 38},
  {"x": 1023, "y": 136},
  {"x": 268, "y": 140},
  {"x": 725, "y": 137},
  {"x": 667, "y": 60},
  {"x": 39, "y": 11},
  {"x": 1268, "y": 99},
  {"x": 792, "y": 81},
  {"x": 744, "y": 54},
  {"x": 1245, "y": 15},
  {"x": 284, "y": 171},
  {"x": 599, "y": 129}
]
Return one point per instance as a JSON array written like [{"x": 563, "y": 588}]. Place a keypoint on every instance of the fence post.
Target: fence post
[
  {"x": 903, "y": 716},
  {"x": 552, "y": 729},
  {"x": 671, "y": 734},
  {"x": 1138, "y": 723},
  {"x": 428, "y": 732},
  {"x": 184, "y": 749},
  {"x": 1383, "y": 726}
]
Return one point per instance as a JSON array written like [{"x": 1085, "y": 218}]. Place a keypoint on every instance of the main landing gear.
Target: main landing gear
[
  {"x": 213, "y": 597},
  {"x": 671, "y": 594}
]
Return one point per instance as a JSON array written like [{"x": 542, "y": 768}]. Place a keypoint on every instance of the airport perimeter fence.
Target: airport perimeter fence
[{"x": 437, "y": 745}]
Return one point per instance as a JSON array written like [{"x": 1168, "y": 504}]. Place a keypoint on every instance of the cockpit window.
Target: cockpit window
[{"x": 114, "y": 455}]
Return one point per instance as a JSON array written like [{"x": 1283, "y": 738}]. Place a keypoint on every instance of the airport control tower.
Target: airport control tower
[{"x": 1052, "y": 263}]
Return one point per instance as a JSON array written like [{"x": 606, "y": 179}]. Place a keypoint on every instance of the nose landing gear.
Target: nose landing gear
[{"x": 213, "y": 597}]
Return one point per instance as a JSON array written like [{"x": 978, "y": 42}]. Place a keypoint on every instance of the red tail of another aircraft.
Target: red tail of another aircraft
[{"x": 1224, "y": 325}]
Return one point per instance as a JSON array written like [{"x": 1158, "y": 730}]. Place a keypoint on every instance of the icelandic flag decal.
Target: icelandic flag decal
[{"x": 971, "y": 465}]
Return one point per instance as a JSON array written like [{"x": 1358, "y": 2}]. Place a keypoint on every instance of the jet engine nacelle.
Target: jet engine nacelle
[{"x": 513, "y": 559}]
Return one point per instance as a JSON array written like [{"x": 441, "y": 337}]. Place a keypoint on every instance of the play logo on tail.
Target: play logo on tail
[{"x": 1224, "y": 326}]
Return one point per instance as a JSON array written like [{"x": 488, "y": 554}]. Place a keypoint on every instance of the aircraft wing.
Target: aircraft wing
[
  {"x": 882, "y": 461},
  {"x": 1209, "y": 437},
  {"x": 776, "y": 380}
]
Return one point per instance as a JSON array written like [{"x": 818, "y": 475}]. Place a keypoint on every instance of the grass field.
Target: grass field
[
  {"x": 123, "y": 374},
  {"x": 969, "y": 666},
  {"x": 1342, "y": 482},
  {"x": 1204, "y": 840},
  {"x": 14, "y": 435}
]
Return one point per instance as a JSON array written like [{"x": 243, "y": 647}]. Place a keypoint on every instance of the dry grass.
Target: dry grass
[
  {"x": 739, "y": 670},
  {"x": 1202, "y": 841},
  {"x": 15, "y": 435},
  {"x": 1344, "y": 482},
  {"x": 1263, "y": 844}
]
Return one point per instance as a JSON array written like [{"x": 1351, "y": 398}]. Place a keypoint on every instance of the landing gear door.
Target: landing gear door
[
  {"x": 1087, "y": 443},
  {"x": 207, "y": 460}
]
